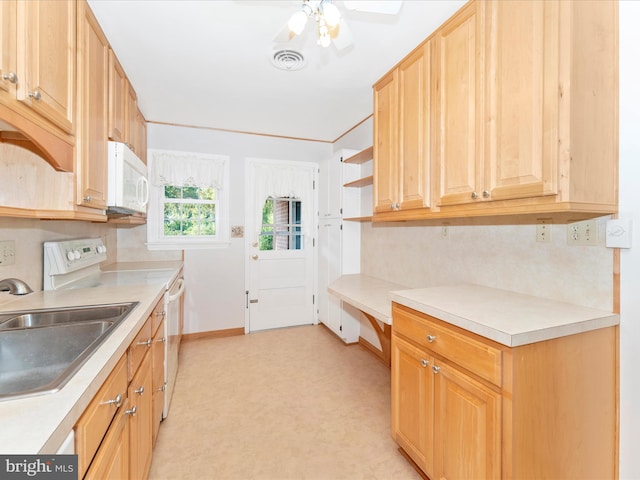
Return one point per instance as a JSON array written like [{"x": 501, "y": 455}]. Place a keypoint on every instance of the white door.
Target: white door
[
  {"x": 281, "y": 221},
  {"x": 329, "y": 261}
]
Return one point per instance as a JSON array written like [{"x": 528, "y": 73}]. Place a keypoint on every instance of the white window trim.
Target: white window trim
[{"x": 155, "y": 222}]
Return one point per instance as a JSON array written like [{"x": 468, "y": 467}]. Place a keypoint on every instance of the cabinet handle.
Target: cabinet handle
[
  {"x": 10, "y": 77},
  {"x": 131, "y": 411},
  {"x": 114, "y": 401},
  {"x": 424, "y": 363},
  {"x": 140, "y": 390},
  {"x": 431, "y": 338},
  {"x": 485, "y": 194},
  {"x": 474, "y": 195},
  {"x": 435, "y": 369},
  {"x": 147, "y": 343},
  {"x": 162, "y": 388},
  {"x": 36, "y": 95},
  {"x": 161, "y": 314},
  {"x": 87, "y": 198},
  {"x": 162, "y": 340}
]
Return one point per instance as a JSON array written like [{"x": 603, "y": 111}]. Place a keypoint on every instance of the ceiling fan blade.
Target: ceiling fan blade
[
  {"x": 389, "y": 7},
  {"x": 341, "y": 35}
]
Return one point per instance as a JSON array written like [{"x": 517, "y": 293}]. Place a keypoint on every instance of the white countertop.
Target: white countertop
[
  {"x": 509, "y": 318},
  {"x": 39, "y": 424},
  {"x": 369, "y": 294}
]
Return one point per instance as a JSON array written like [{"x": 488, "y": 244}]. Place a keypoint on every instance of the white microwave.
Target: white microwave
[{"x": 127, "y": 184}]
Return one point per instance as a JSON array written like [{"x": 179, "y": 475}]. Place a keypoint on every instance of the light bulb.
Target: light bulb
[
  {"x": 297, "y": 22},
  {"x": 331, "y": 14}
]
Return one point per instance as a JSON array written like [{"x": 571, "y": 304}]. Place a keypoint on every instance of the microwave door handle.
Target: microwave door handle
[{"x": 142, "y": 191}]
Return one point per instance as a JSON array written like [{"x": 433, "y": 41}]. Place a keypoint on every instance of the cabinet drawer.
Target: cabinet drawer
[
  {"x": 468, "y": 351},
  {"x": 95, "y": 420},
  {"x": 140, "y": 345},
  {"x": 157, "y": 316}
]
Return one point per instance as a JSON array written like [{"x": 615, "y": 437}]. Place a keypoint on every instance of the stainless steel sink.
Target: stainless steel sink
[{"x": 40, "y": 350}]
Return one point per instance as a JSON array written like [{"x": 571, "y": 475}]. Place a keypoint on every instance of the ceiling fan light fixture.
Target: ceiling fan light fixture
[
  {"x": 298, "y": 21},
  {"x": 330, "y": 13}
]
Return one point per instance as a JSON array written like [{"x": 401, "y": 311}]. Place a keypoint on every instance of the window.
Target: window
[
  {"x": 188, "y": 205},
  {"x": 189, "y": 211},
  {"x": 281, "y": 224}
]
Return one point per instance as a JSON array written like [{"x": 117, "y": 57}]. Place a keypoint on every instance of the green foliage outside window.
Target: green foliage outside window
[{"x": 189, "y": 211}]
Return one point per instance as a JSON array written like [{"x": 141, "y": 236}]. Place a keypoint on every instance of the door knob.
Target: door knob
[{"x": 254, "y": 256}]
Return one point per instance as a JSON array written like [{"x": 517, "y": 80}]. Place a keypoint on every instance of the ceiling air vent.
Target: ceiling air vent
[{"x": 288, "y": 60}]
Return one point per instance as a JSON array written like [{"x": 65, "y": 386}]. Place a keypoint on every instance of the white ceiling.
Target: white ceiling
[{"x": 207, "y": 63}]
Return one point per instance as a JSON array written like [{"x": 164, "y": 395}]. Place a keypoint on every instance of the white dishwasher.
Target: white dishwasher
[{"x": 173, "y": 333}]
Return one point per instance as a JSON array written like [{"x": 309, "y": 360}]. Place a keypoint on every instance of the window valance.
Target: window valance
[{"x": 187, "y": 169}]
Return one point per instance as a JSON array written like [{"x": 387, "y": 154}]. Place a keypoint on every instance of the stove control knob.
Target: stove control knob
[
  {"x": 101, "y": 249},
  {"x": 76, "y": 254},
  {"x": 70, "y": 255}
]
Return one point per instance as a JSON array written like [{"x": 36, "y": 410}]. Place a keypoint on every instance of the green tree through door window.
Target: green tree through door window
[
  {"x": 190, "y": 211},
  {"x": 281, "y": 224}
]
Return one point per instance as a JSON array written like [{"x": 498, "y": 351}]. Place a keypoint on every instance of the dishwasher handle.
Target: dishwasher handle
[{"x": 180, "y": 291}]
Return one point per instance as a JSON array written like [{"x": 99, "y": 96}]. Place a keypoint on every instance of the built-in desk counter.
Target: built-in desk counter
[{"x": 370, "y": 295}]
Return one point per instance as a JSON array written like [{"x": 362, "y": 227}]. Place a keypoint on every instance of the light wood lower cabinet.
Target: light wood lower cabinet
[
  {"x": 115, "y": 434},
  {"x": 158, "y": 385},
  {"x": 141, "y": 429},
  {"x": 463, "y": 406}
]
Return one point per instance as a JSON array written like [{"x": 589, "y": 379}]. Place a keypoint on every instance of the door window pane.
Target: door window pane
[{"x": 281, "y": 224}]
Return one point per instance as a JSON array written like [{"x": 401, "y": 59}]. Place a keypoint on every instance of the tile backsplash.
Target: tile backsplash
[
  {"x": 30, "y": 234},
  {"x": 506, "y": 257}
]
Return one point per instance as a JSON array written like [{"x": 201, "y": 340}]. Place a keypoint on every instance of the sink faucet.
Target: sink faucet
[{"x": 15, "y": 286}]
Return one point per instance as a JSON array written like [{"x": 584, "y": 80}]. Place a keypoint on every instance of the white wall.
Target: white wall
[
  {"x": 630, "y": 259},
  {"x": 215, "y": 298}
]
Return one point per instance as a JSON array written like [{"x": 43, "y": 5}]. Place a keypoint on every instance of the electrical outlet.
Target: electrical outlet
[
  {"x": 583, "y": 233},
  {"x": 7, "y": 252},
  {"x": 543, "y": 231}
]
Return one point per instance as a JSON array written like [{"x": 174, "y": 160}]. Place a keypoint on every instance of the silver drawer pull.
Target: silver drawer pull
[
  {"x": 131, "y": 411},
  {"x": 162, "y": 388},
  {"x": 10, "y": 77},
  {"x": 160, "y": 314},
  {"x": 424, "y": 363},
  {"x": 146, "y": 342},
  {"x": 36, "y": 95},
  {"x": 115, "y": 401},
  {"x": 435, "y": 369},
  {"x": 431, "y": 338},
  {"x": 140, "y": 390}
]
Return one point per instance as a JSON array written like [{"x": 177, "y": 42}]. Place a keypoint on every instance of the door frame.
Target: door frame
[{"x": 248, "y": 233}]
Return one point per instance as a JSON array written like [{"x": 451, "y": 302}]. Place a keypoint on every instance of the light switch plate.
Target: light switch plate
[{"x": 618, "y": 233}]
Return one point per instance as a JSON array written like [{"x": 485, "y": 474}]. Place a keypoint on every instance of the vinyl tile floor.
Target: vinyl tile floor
[{"x": 292, "y": 403}]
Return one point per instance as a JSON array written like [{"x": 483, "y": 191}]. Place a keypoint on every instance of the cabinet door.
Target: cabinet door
[
  {"x": 522, "y": 103},
  {"x": 141, "y": 429},
  {"x": 8, "y": 75},
  {"x": 329, "y": 260},
  {"x": 385, "y": 105},
  {"x": 117, "y": 99},
  {"x": 330, "y": 182},
  {"x": 131, "y": 111},
  {"x": 46, "y": 60},
  {"x": 91, "y": 142},
  {"x": 414, "y": 126},
  {"x": 412, "y": 402},
  {"x": 459, "y": 58},
  {"x": 467, "y": 426},
  {"x": 112, "y": 460},
  {"x": 141, "y": 136}
]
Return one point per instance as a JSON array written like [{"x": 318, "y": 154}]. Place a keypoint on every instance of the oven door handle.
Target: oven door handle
[{"x": 180, "y": 291}]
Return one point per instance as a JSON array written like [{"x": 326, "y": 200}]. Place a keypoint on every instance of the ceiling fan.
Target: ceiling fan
[{"x": 331, "y": 26}]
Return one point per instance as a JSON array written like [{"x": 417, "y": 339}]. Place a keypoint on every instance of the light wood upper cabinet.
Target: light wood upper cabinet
[
  {"x": 140, "y": 145},
  {"x": 385, "y": 104},
  {"x": 46, "y": 59},
  {"x": 8, "y": 75},
  {"x": 414, "y": 128},
  {"x": 459, "y": 63},
  {"x": 117, "y": 99},
  {"x": 402, "y": 135},
  {"x": 91, "y": 142},
  {"x": 523, "y": 106},
  {"x": 522, "y": 99}
]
